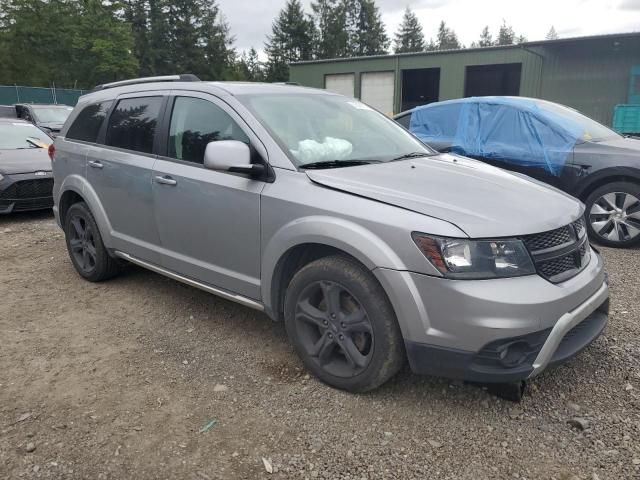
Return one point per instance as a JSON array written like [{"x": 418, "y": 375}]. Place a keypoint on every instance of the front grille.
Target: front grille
[
  {"x": 557, "y": 266},
  {"x": 26, "y": 204},
  {"x": 28, "y": 189},
  {"x": 546, "y": 240},
  {"x": 561, "y": 253}
]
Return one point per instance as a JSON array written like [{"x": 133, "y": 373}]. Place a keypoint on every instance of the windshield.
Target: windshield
[
  {"x": 590, "y": 130},
  {"x": 329, "y": 128},
  {"x": 14, "y": 136},
  {"x": 52, "y": 114}
]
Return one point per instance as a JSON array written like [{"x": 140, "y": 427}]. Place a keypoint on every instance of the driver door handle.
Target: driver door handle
[
  {"x": 165, "y": 180},
  {"x": 95, "y": 164}
]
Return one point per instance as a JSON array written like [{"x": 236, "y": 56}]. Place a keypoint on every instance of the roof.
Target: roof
[
  {"x": 53, "y": 105},
  {"x": 217, "y": 88},
  {"x": 13, "y": 120},
  {"x": 537, "y": 43},
  {"x": 238, "y": 88},
  {"x": 522, "y": 102}
]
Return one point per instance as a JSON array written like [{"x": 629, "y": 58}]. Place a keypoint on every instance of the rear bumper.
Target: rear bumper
[
  {"x": 26, "y": 191},
  {"x": 535, "y": 352}
]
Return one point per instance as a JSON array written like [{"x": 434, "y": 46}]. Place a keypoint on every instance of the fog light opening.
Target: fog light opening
[{"x": 514, "y": 354}]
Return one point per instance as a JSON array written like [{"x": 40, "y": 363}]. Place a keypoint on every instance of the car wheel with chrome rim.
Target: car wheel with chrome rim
[{"x": 613, "y": 214}]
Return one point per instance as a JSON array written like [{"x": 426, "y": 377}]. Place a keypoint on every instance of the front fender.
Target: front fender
[
  {"x": 355, "y": 240},
  {"x": 82, "y": 187}
]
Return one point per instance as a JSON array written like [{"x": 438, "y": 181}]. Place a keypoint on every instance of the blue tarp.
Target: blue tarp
[{"x": 509, "y": 129}]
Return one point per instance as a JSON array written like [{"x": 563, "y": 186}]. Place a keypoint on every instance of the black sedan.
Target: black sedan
[
  {"x": 26, "y": 182},
  {"x": 549, "y": 142}
]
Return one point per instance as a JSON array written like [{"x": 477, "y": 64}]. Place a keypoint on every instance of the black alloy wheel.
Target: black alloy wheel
[{"x": 334, "y": 328}]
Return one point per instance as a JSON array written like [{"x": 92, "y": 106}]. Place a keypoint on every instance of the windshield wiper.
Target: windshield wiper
[
  {"x": 335, "y": 164},
  {"x": 413, "y": 155}
]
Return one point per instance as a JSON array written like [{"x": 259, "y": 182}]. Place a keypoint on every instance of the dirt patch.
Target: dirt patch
[{"x": 116, "y": 380}]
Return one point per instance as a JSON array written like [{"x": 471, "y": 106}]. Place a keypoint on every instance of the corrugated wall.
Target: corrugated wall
[
  {"x": 591, "y": 75},
  {"x": 452, "y": 69}
]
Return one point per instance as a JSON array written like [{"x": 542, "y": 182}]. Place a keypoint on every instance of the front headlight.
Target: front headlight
[
  {"x": 476, "y": 259},
  {"x": 1, "y": 177}
]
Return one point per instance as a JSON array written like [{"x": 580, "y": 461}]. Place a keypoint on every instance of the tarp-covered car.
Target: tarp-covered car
[{"x": 549, "y": 142}]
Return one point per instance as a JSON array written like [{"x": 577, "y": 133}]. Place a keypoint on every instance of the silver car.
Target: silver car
[{"x": 319, "y": 211}]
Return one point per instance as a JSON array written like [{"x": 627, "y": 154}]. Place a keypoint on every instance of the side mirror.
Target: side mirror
[{"x": 231, "y": 156}]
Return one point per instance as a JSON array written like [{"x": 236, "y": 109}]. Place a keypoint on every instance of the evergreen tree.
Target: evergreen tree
[
  {"x": 552, "y": 34},
  {"x": 198, "y": 40},
  {"x": 331, "y": 37},
  {"x": 506, "y": 35},
  {"x": 486, "y": 39},
  {"x": 254, "y": 66},
  {"x": 102, "y": 44},
  {"x": 290, "y": 41},
  {"x": 65, "y": 42},
  {"x": 409, "y": 37},
  {"x": 366, "y": 31},
  {"x": 447, "y": 38},
  {"x": 249, "y": 67},
  {"x": 158, "y": 34}
]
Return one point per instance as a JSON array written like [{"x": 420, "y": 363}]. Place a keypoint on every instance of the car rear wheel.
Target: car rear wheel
[
  {"x": 84, "y": 244},
  {"x": 613, "y": 214},
  {"x": 341, "y": 324}
]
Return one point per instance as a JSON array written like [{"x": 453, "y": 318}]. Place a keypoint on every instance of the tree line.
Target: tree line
[{"x": 81, "y": 43}]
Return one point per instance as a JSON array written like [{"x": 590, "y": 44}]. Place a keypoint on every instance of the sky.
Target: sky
[{"x": 250, "y": 20}]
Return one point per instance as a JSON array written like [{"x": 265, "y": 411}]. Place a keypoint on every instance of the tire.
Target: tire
[
  {"x": 363, "y": 319},
  {"x": 84, "y": 244},
  {"x": 613, "y": 214}
]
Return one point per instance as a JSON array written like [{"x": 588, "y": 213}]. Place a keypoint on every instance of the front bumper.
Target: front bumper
[
  {"x": 535, "y": 352},
  {"x": 500, "y": 330},
  {"x": 26, "y": 191}
]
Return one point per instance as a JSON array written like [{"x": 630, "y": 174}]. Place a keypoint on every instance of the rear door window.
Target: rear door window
[
  {"x": 133, "y": 124},
  {"x": 87, "y": 124}
]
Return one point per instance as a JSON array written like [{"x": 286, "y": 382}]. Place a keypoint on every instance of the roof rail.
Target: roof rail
[
  {"x": 286, "y": 83},
  {"x": 187, "y": 77}
]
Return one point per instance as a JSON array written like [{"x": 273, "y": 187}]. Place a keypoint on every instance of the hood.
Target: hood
[
  {"x": 51, "y": 126},
  {"x": 624, "y": 146},
  {"x": 483, "y": 201},
  {"x": 26, "y": 160}
]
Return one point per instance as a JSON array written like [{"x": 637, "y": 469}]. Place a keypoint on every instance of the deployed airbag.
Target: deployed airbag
[{"x": 330, "y": 149}]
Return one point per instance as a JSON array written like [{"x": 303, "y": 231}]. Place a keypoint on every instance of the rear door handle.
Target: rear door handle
[
  {"x": 95, "y": 164},
  {"x": 166, "y": 180}
]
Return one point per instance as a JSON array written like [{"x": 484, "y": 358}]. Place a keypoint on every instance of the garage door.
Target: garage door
[
  {"x": 343, "y": 83},
  {"x": 376, "y": 90}
]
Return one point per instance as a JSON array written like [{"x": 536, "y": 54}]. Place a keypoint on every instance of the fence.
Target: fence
[{"x": 10, "y": 94}]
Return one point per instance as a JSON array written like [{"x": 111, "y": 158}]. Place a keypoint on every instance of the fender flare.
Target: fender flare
[
  {"x": 81, "y": 186},
  {"x": 607, "y": 175},
  {"x": 353, "y": 239}
]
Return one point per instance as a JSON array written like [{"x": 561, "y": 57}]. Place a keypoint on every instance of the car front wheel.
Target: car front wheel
[
  {"x": 613, "y": 214},
  {"x": 341, "y": 324}
]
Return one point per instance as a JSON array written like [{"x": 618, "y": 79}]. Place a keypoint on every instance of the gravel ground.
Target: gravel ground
[{"x": 116, "y": 380}]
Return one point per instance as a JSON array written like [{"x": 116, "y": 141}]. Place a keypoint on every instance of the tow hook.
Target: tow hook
[{"x": 513, "y": 391}]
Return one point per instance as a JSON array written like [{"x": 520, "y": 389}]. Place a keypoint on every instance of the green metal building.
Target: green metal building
[{"x": 592, "y": 74}]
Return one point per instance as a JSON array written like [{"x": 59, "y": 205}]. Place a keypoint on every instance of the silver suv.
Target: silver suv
[{"x": 324, "y": 213}]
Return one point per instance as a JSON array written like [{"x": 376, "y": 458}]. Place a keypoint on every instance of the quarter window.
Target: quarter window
[
  {"x": 132, "y": 124},
  {"x": 87, "y": 124},
  {"x": 196, "y": 122}
]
